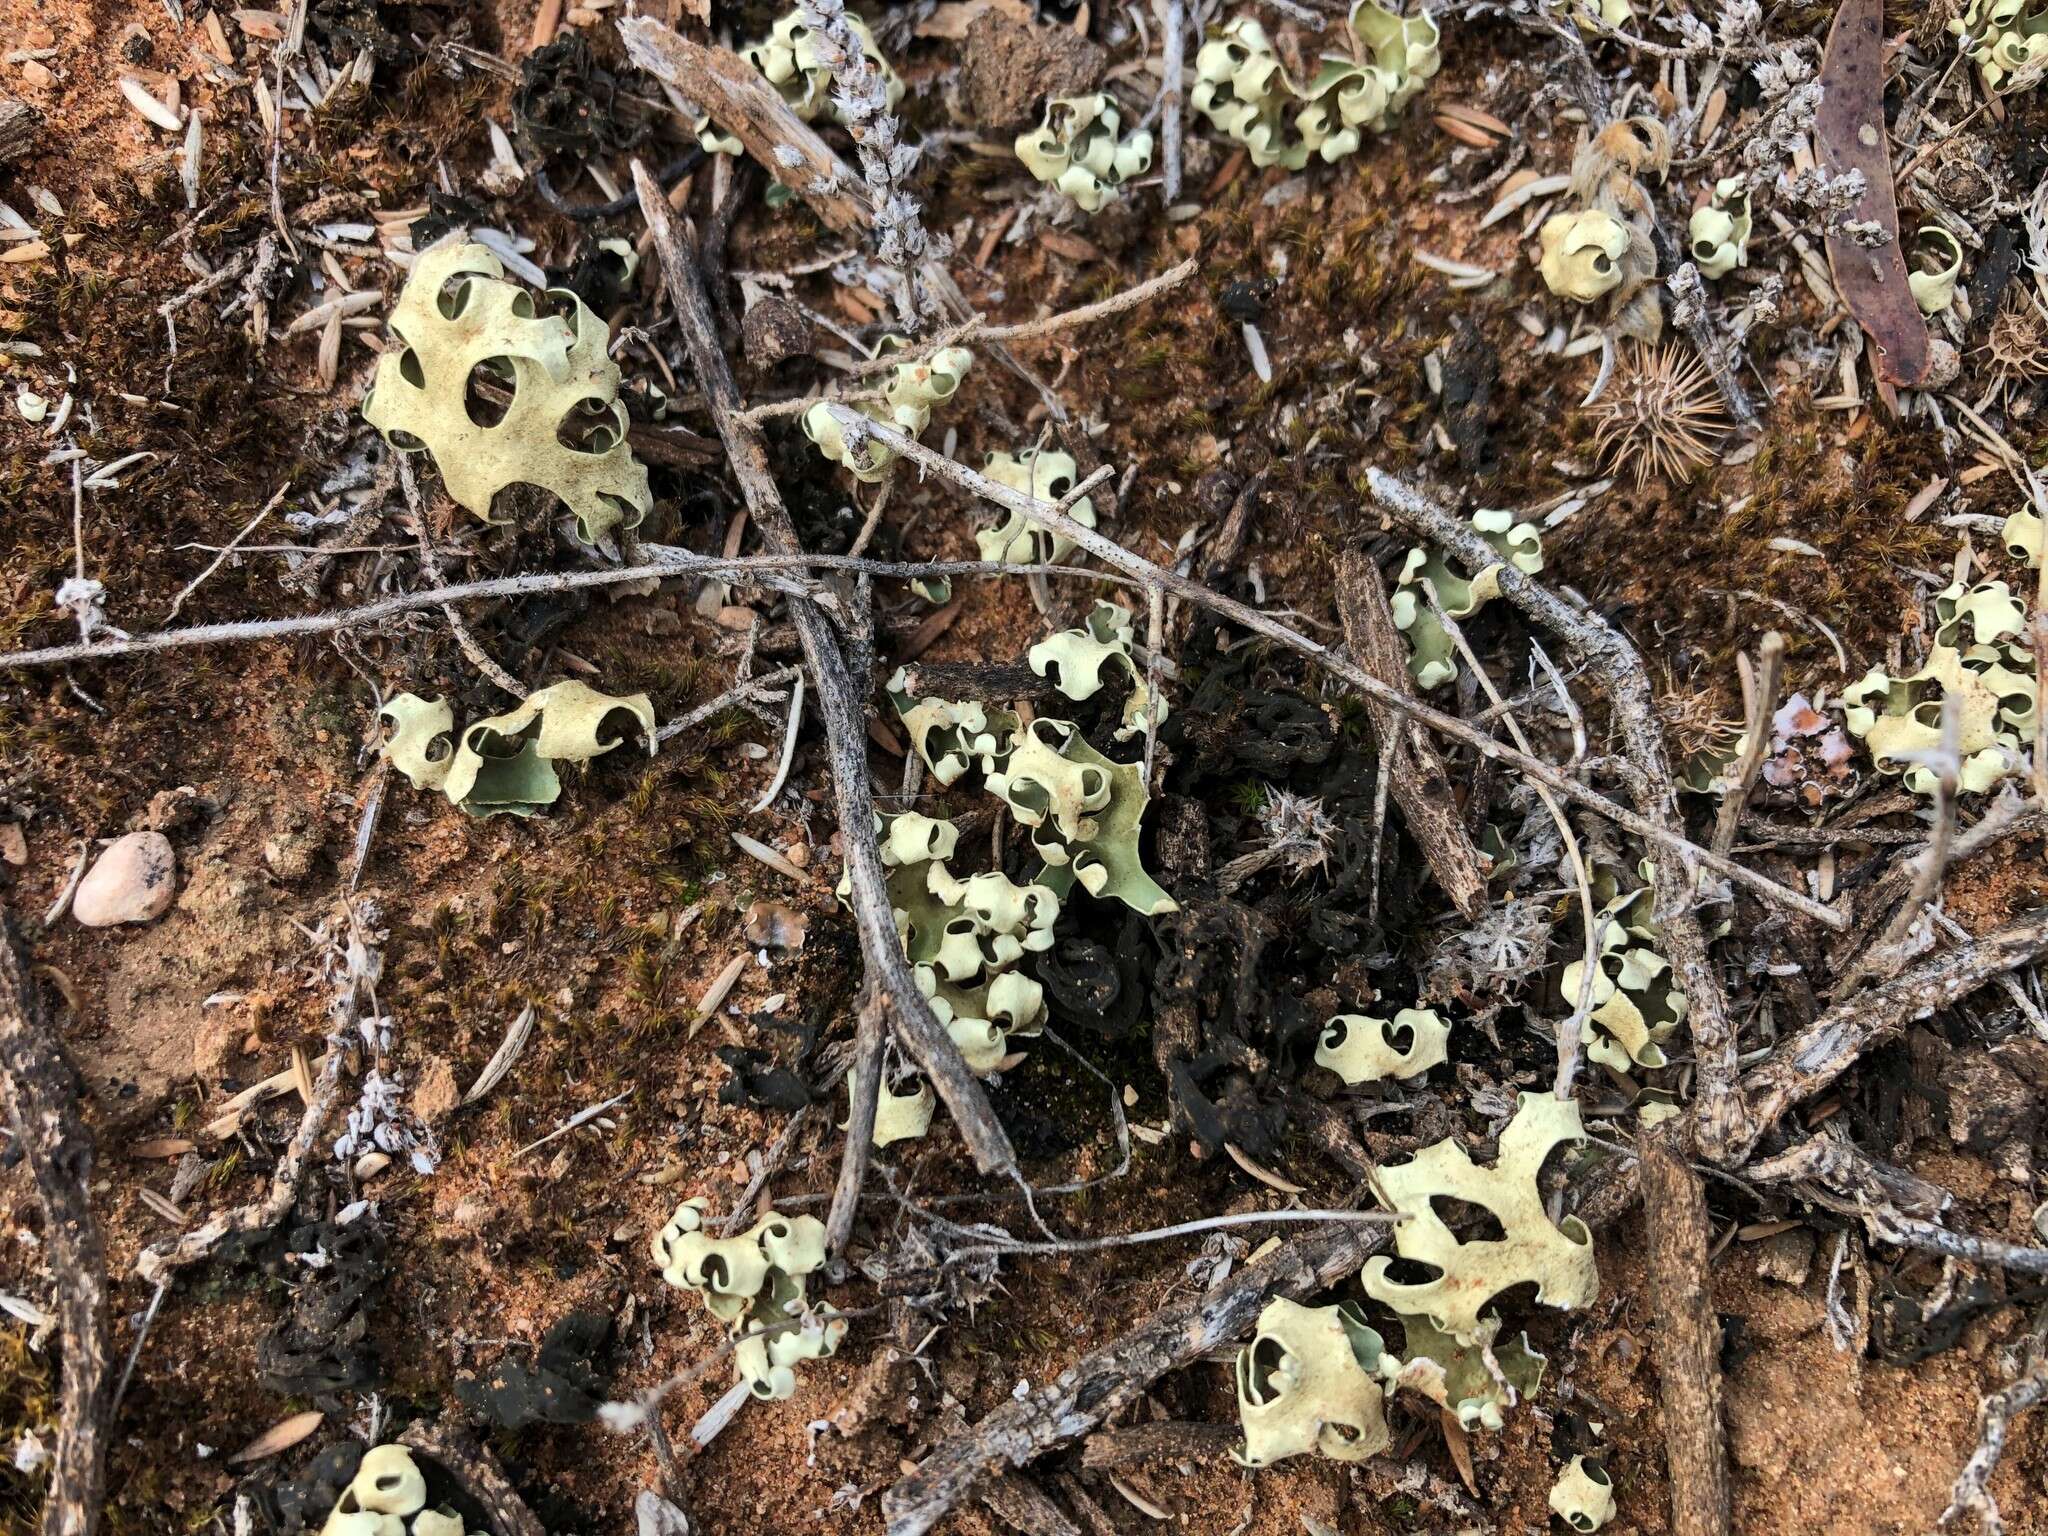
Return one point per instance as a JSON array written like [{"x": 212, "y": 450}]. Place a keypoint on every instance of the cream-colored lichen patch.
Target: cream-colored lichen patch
[
  {"x": 1085, "y": 813},
  {"x": 1360, "y": 1048},
  {"x": 458, "y": 324},
  {"x": 1075, "y": 659},
  {"x": 1478, "y": 1381},
  {"x": 421, "y": 744},
  {"x": 1245, "y": 93},
  {"x": 1077, "y": 149},
  {"x": 951, "y": 736},
  {"x": 1306, "y": 1383},
  {"x": 1634, "y": 1005},
  {"x": 900, "y": 1116},
  {"x": 1718, "y": 233},
  {"x": 1558, "y": 1259},
  {"x": 2021, "y": 533},
  {"x": 1980, "y": 658},
  {"x": 1432, "y": 657},
  {"x": 1582, "y": 253},
  {"x": 914, "y": 391},
  {"x": 788, "y": 59},
  {"x": 2007, "y": 40},
  {"x": 1046, "y": 476},
  {"x": 1583, "y": 1496},
  {"x": 387, "y": 1497},
  {"x": 1937, "y": 263},
  {"x": 752, "y": 1282}
]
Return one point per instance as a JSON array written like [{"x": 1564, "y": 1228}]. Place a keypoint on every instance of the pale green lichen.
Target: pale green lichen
[
  {"x": 1718, "y": 233},
  {"x": 965, "y": 938},
  {"x": 1938, "y": 262},
  {"x": 1583, "y": 1496},
  {"x": 457, "y": 317},
  {"x": 788, "y": 59},
  {"x": 1432, "y": 657},
  {"x": 1306, "y": 1382},
  {"x": 899, "y": 1116},
  {"x": 506, "y": 764},
  {"x": 2007, "y": 40},
  {"x": 1980, "y": 657},
  {"x": 388, "y": 1497},
  {"x": 1635, "y": 1007},
  {"x": 1582, "y": 253},
  {"x": 1074, "y": 659},
  {"x": 913, "y": 392},
  {"x": 2021, "y": 533},
  {"x": 1046, "y": 476},
  {"x": 1557, "y": 1258},
  {"x": 751, "y": 1282},
  {"x": 1085, "y": 813},
  {"x": 1478, "y": 1381},
  {"x": 1360, "y": 1048},
  {"x": 1245, "y": 93},
  {"x": 1076, "y": 148}
]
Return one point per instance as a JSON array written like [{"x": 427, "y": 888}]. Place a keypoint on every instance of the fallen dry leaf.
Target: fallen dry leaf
[
  {"x": 1850, "y": 136},
  {"x": 281, "y": 1436}
]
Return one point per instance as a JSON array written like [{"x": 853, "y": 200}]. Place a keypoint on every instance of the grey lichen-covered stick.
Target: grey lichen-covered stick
[
  {"x": 42, "y": 1093},
  {"x": 1613, "y": 663},
  {"x": 923, "y": 1038}
]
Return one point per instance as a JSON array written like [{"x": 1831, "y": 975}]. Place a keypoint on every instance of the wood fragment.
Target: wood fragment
[
  {"x": 1849, "y": 135},
  {"x": 888, "y": 977},
  {"x": 1809, "y": 1061},
  {"x": 1688, "y": 1342},
  {"x": 723, "y": 84},
  {"x": 1421, "y": 782},
  {"x": 42, "y": 1097},
  {"x": 19, "y": 123},
  {"x": 1173, "y": 1441},
  {"x": 987, "y": 683},
  {"x": 476, "y": 1469}
]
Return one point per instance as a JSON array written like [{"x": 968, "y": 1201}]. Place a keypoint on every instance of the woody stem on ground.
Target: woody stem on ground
[
  {"x": 42, "y": 1095},
  {"x": 890, "y": 986}
]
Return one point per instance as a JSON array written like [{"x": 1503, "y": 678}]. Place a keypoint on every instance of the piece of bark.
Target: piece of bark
[
  {"x": 42, "y": 1092},
  {"x": 923, "y": 1038},
  {"x": 1174, "y": 1440},
  {"x": 18, "y": 125},
  {"x": 1421, "y": 783},
  {"x": 1802, "y": 1066},
  {"x": 477, "y": 1470},
  {"x": 1849, "y": 135},
  {"x": 987, "y": 683},
  {"x": 1688, "y": 1346},
  {"x": 723, "y": 84}
]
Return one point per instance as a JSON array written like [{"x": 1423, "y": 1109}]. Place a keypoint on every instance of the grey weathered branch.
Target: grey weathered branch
[
  {"x": 889, "y": 980},
  {"x": 1805, "y": 1064},
  {"x": 1688, "y": 1343},
  {"x": 42, "y": 1092},
  {"x": 1615, "y": 667}
]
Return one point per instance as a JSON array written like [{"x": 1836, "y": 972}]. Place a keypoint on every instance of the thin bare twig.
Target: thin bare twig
[
  {"x": 42, "y": 1096},
  {"x": 1172, "y": 61},
  {"x": 1972, "y": 1493},
  {"x": 739, "y": 693},
  {"x": 220, "y": 559},
  {"x": 1762, "y": 708},
  {"x": 923, "y": 1038}
]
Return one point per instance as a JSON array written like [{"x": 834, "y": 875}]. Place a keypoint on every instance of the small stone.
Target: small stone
[
  {"x": 214, "y": 1044},
  {"x": 1009, "y": 67},
  {"x": 1786, "y": 1257},
  {"x": 437, "y": 1094},
  {"x": 37, "y": 76},
  {"x": 132, "y": 882},
  {"x": 13, "y": 844},
  {"x": 798, "y": 854}
]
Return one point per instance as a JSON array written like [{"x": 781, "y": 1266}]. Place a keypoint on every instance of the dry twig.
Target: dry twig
[
  {"x": 42, "y": 1095},
  {"x": 889, "y": 981}
]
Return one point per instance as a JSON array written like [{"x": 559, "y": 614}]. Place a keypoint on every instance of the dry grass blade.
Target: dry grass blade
[
  {"x": 516, "y": 1035},
  {"x": 1661, "y": 416}
]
